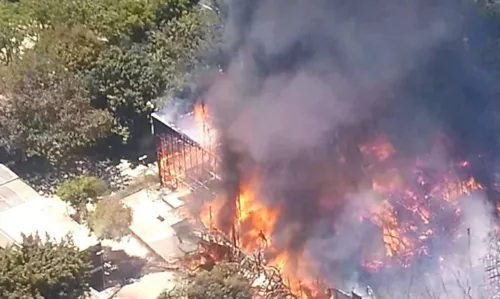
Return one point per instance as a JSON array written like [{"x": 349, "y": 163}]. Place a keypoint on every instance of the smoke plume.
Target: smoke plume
[{"x": 309, "y": 81}]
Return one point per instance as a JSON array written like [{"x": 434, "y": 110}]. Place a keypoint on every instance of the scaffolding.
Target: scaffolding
[{"x": 186, "y": 152}]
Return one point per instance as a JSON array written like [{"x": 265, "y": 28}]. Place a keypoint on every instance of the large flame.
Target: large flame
[
  {"x": 203, "y": 127},
  {"x": 254, "y": 222},
  {"x": 403, "y": 237}
]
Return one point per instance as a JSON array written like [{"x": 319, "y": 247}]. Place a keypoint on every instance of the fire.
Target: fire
[
  {"x": 256, "y": 221},
  {"x": 201, "y": 115},
  {"x": 404, "y": 215},
  {"x": 294, "y": 268},
  {"x": 408, "y": 197},
  {"x": 394, "y": 241},
  {"x": 204, "y": 126},
  {"x": 381, "y": 149}
]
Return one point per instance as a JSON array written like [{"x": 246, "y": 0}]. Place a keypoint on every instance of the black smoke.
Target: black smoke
[{"x": 308, "y": 81}]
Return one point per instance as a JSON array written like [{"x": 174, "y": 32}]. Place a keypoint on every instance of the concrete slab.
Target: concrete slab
[
  {"x": 148, "y": 287},
  {"x": 168, "y": 248},
  {"x": 173, "y": 200},
  {"x": 152, "y": 223}
]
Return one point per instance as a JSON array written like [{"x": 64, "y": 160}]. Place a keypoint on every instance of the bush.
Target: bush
[
  {"x": 81, "y": 190},
  {"x": 111, "y": 219}
]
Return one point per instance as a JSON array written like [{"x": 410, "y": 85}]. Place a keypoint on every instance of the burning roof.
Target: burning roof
[{"x": 186, "y": 119}]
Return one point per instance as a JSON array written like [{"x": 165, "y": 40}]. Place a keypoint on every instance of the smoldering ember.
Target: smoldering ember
[{"x": 350, "y": 145}]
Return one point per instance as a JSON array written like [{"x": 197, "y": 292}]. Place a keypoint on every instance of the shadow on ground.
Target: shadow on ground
[
  {"x": 122, "y": 269},
  {"x": 45, "y": 178},
  {"x": 102, "y": 160}
]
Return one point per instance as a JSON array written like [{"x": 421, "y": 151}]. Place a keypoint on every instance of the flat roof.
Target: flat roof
[
  {"x": 6, "y": 175},
  {"x": 24, "y": 211},
  {"x": 152, "y": 224},
  {"x": 150, "y": 286},
  {"x": 13, "y": 191},
  {"x": 45, "y": 215},
  {"x": 5, "y": 240}
]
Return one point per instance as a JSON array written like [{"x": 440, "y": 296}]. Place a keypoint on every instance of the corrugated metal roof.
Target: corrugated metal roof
[
  {"x": 13, "y": 191},
  {"x": 24, "y": 211},
  {"x": 5, "y": 240},
  {"x": 6, "y": 175}
]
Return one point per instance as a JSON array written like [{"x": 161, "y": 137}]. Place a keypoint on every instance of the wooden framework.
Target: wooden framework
[{"x": 183, "y": 162}]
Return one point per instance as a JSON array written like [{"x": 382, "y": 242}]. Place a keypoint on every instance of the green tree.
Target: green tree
[
  {"x": 129, "y": 19},
  {"x": 131, "y": 53},
  {"x": 173, "y": 9},
  {"x": 14, "y": 30},
  {"x": 77, "y": 47},
  {"x": 111, "y": 219},
  {"x": 45, "y": 110},
  {"x": 223, "y": 281},
  {"x": 44, "y": 269},
  {"x": 128, "y": 80},
  {"x": 109, "y": 19},
  {"x": 80, "y": 191},
  {"x": 125, "y": 81},
  {"x": 185, "y": 44}
]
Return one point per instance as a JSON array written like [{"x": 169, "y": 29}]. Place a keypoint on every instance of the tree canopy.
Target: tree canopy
[
  {"x": 80, "y": 72},
  {"x": 45, "y": 110},
  {"x": 223, "y": 281},
  {"x": 81, "y": 190},
  {"x": 42, "y": 268}
]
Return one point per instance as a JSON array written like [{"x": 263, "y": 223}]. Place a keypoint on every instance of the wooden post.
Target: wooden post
[
  {"x": 211, "y": 217},
  {"x": 234, "y": 237},
  {"x": 469, "y": 247}
]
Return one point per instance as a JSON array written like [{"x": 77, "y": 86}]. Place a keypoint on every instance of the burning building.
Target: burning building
[
  {"x": 409, "y": 214},
  {"x": 357, "y": 145},
  {"x": 186, "y": 146}
]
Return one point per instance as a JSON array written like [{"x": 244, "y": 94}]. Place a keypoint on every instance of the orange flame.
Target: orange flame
[
  {"x": 402, "y": 240},
  {"x": 256, "y": 221},
  {"x": 381, "y": 149},
  {"x": 204, "y": 126}
]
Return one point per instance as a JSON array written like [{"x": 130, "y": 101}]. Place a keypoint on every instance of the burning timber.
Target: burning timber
[
  {"x": 400, "y": 216},
  {"x": 266, "y": 280},
  {"x": 185, "y": 149}
]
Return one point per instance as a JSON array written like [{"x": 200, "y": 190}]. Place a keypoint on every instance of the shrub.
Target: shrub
[
  {"x": 111, "y": 219},
  {"x": 81, "y": 190}
]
